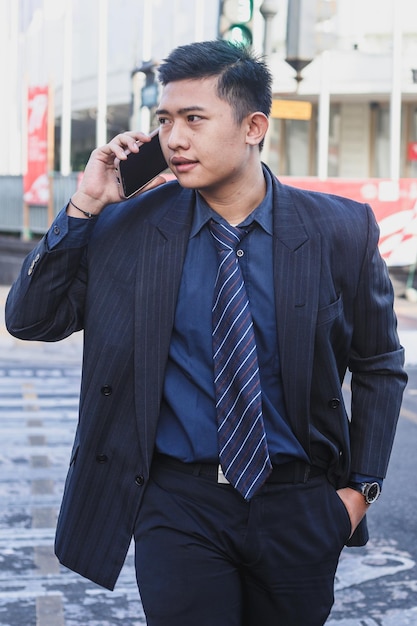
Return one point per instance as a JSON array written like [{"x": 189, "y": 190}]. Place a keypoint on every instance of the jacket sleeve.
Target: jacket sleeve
[
  {"x": 46, "y": 301},
  {"x": 376, "y": 362}
]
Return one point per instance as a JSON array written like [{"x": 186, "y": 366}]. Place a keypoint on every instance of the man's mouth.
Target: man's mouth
[
  {"x": 181, "y": 164},
  {"x": 178, "y": 160}
]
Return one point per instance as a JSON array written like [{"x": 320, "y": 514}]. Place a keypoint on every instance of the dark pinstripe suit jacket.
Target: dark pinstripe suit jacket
[{"x": 334, "y": 310}]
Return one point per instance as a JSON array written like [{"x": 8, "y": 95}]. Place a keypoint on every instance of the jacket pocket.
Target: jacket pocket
[
  {"x": 345, "y": 517},
  {"x": 329, "y": 312}
]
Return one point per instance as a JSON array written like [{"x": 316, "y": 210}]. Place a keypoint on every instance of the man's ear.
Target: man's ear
[{"x": 257, "y": 127}]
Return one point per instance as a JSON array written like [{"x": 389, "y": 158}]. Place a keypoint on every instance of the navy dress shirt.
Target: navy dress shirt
[{"x": 187, "y": 427}]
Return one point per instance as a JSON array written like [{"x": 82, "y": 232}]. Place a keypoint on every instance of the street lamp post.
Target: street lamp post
[
  {"x": 145, "y": 94},
  {"x": 268, "y": 10},
  {"x": 395, "y": 100}
]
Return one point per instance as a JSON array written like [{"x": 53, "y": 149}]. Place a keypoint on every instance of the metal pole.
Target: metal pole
[
  {"x": 395, "y": 108},
  {"x": 199, "y": 20},
  {"x": 268, "y": 10},
  {"x": 65, "y": 148},
  {"x": 51, "y": 153},
  {"x": 324, "y": 118},
  {"x": 101, "y": 121},
  {"x": 145, "y": 115}
]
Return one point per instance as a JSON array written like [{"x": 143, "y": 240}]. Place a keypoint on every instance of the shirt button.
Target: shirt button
[
  {"x": 56, "y": 230},
  {"x": 139, "y": 480},
  {"x": 240, "y": 253},
  {"x": 106, "y": 390}
]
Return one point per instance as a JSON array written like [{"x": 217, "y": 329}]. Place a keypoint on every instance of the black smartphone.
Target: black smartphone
[{"x": 141, "y": 167}]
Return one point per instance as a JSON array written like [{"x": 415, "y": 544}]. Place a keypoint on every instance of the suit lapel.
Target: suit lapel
[
  {"x": 297, "y": 256},
  {"x": 159, "y": 268}
]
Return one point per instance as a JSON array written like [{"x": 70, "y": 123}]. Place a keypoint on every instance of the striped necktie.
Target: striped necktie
[{"x": 243, "y": 450}]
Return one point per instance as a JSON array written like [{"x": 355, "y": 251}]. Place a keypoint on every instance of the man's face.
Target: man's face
[{"x": 204, "y": 146}]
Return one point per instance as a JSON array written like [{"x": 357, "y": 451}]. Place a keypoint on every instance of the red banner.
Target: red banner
[
  {"x": 36, "y": 184},
  {"x": 412, "y": 151},
  {"x": 394, "y": 204}
]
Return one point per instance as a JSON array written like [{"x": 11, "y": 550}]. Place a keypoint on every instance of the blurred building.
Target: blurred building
[
  {"x": 359, "y": 84},
  {"x": 86, "y": 50},
  {"x": 362, "y": 87}
]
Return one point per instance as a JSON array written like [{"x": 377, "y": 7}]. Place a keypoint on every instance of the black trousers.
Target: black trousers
[{"x": 205, "y": 557}]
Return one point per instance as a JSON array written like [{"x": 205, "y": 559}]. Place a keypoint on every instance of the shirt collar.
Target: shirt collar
[{"x": 262, "y": 214}]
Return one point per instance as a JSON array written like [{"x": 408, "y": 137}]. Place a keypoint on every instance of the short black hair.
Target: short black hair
[{"x": 245, "y": 81}]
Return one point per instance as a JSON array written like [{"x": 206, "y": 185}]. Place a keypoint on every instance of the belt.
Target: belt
[{"x": 292, "y": 472}]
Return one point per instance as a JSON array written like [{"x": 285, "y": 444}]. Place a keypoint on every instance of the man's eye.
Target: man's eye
[
  {"x": 194, "y": 118},
  {"x": 162, "y": 120}
]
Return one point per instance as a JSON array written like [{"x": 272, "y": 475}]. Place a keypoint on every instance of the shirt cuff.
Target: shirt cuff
[{"x": 358, "y": 479}]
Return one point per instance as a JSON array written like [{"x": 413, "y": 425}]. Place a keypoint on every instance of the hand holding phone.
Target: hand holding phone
[{"x": 140, "y": 168}]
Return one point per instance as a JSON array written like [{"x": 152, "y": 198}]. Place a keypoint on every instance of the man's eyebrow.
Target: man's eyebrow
[{"x": 182, "y": 111}]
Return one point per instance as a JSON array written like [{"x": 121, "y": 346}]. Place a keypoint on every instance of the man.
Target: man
[{"x": 230, "y": 529}]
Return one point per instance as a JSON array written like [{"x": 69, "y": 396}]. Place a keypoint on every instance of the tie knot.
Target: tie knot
[{"x": 227, "y": 237}]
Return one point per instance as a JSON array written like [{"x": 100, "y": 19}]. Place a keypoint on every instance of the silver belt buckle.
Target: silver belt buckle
[{"x": 221, "y": 478}]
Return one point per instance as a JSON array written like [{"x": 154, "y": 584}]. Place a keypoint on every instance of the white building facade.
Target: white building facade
[{"x": 360, "y": 81}]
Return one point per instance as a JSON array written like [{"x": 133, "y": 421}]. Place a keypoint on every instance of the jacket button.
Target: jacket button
[
  {"x": 106, "y": 390},
  {"x": 139, "y": 480},
  {"x": 32, "y": 265},
  {"x": 102, "y": 458},
  {"x": 56, "y": 230},
  {"x": 334, "y": 403}
]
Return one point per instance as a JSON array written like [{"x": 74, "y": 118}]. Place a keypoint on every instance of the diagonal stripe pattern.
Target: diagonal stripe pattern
[{"x": 243, "y": 450}]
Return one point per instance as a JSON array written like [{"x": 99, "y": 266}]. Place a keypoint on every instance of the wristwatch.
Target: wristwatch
[{"x": 370, "y": 491}]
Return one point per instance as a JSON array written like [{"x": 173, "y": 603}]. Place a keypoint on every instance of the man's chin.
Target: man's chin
[{"x": 188, "y": 182}]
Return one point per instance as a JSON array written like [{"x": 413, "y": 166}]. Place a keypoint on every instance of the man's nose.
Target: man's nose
[{"x": 177, "y": 137}]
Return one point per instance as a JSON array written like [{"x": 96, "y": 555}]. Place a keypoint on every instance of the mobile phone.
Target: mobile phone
[{"x": 140, "y": 168}]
